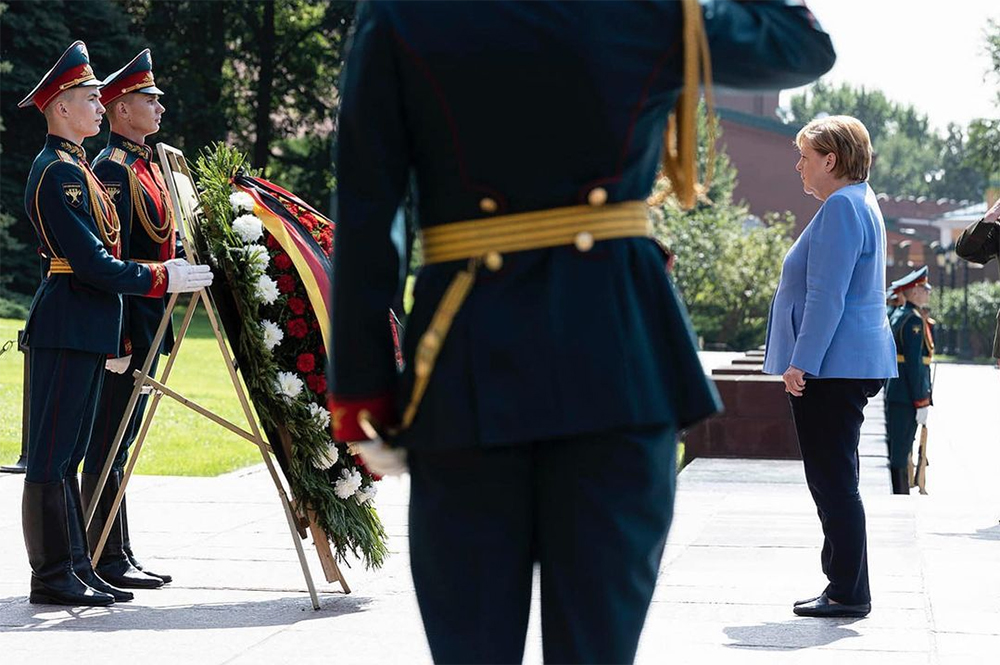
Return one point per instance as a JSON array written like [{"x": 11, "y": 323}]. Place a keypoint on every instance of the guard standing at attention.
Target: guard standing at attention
[
  {"x": 149, "y": 235},
  {"x": 908, "y": 396},
  {"x": 74, "y": 327}
]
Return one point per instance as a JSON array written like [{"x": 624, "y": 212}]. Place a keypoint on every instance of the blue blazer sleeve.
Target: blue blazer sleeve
[
  {"x": 835, "y": 244},
  {"x": 372, "y": 168}
]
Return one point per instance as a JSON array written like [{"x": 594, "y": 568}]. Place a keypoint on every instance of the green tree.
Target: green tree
[
  {"x": 907, "y": 153},
  {"x": 984, "y": 133},
  {"x": 33, "y": 35},
  {"x": 728, "y": 262}
]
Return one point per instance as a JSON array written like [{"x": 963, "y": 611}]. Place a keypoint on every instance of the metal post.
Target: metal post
[
  {"x": 966, "y": 342},
  {"x": 954, "y": 342},
  {"x": 21, "y": 465}
]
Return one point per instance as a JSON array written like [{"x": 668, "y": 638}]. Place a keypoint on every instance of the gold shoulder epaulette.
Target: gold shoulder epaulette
[
  {"x": 117, "y": 155},
  {"x": 65, "y": 156}
]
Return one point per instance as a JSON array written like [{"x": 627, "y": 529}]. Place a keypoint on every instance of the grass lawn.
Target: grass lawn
[{"x": 180, "y": 442}]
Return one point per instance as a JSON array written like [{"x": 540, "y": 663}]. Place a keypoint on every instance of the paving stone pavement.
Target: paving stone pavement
[{"x": 744, "y": 544}]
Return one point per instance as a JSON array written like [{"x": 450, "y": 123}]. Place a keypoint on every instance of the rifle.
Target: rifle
[{"x": 920, "y": 474}]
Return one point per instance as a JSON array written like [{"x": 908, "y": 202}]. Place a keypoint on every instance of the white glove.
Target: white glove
[
  {"x": 922, "y": 415},
  {"x": 382, "y": 460},
  {"x": 118, "y": 365},
  {"x": 184, "y": 277}
]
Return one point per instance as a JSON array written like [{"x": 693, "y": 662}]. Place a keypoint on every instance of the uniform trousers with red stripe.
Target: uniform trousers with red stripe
[{"x": 65, "y": 385}]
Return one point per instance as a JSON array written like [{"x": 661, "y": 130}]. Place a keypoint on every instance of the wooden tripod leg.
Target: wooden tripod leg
[
  {"x": 161, "y": 331},
  {"x": 262, "y": 446},
  {"x": 140, "y": 380},
  {"x": 322, "y": 542}
]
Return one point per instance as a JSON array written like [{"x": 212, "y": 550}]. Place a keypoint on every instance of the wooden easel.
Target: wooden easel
[{"x": 183, "y": 195}]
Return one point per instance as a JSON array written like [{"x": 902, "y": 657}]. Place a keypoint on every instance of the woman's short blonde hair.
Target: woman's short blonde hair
[{"x": 844, "y": 136}]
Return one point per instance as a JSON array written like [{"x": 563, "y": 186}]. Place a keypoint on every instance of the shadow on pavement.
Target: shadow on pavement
[
  {"x": 989, "y": 533},
  {"x": 790, "y": 635},
  {"x": 19, "y": 616}
]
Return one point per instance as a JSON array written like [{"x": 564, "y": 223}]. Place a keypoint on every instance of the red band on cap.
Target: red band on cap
[
  {"x": 127, "y": 84},
  {"x": 70, "y": 78}
]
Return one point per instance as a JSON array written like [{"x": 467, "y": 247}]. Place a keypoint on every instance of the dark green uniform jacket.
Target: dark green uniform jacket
[
  {"x": 81, "y": 309},
  {"x": 914, "y": 349},
  {"x": 496, "y": 108},
  {"x": 148, "y": 232}
]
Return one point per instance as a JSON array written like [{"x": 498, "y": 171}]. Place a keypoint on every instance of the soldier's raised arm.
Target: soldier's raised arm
[
  {"x": 980, "y": 242},
  {"x": 766, "y": 45}
]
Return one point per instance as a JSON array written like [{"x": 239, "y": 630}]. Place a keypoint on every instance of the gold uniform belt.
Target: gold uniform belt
[
  {"x": 484, "y": 241},
  {"x": 60, "y": 266},
  {"x": 900, "y": 358}
]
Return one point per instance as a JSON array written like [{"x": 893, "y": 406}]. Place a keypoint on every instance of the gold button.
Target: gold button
[
  {"x": 493, "y": 261},
  {"x": 584, "y": 241},
  {"x": 598, "y": 196},
  {"x": 486, "y": 204}
]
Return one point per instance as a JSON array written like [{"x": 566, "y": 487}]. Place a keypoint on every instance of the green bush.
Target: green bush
[
  {"x": 984, "y": 299},
  {"x": 14, "y": 305},
  {"x": 728, "y": 262}
]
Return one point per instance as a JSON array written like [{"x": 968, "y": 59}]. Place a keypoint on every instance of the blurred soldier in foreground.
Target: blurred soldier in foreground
[{"x": 549, "y": 360}]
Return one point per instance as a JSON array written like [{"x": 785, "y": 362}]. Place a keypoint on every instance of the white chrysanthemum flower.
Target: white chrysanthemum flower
[
  {"x": 267, "y": 289},
  {"x": 320, "y": 415},
  {"x": 366, "y": 494},
  {"x": 288, "y": 385},
  {"x": 328, "y": 457},
  {"x": 272, "y": 334},
  {"x": 248, "y": 227},
  {"x": 241, "y": 202},
  {"x": 348, "y": 484},
  {"x": 258, "y": 256}
]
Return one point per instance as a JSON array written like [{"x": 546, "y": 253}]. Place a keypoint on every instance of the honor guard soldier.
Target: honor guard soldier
[
  {"x": 73, "y": 327},
  {"x": 908, "y": 396},
  {"x": 549, "y": 360},
  {"x": 140, "y": 197}
]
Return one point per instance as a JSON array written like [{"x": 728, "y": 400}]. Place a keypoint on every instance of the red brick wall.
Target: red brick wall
[{"x": 767, "y": 180}]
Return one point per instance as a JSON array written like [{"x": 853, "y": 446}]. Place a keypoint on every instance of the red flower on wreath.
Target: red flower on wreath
[
  {"x": 307, "y": 219},
  {"x": 271, "y": 242},
  {"x": 282, "y": 261},
  {"x": 298, "y": 328},
  {"x": 305, "y": 363},
  {"x": 297, "y": 305},
  {"x": 316, "y": 383},
  {"x": 286, "y": 283}
]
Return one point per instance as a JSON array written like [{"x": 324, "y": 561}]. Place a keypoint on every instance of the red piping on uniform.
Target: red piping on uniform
[
  {"x": 55, "y": 413},
  {"x": 631, "y": 127},
  {"x": 439, "y": 94}
]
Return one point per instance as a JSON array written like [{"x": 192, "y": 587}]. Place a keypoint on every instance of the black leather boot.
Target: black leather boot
[
  {"x": 114, "y": 565},
  {"x": 127, "y": 546},
  {"x": 79, "y": 548},
  {"x": 45, "y": 519},
  {"x": 900, "y": 481}
]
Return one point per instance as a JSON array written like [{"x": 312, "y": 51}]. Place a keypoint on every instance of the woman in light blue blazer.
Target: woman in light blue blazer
[{"x": 829, "y": 338}]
